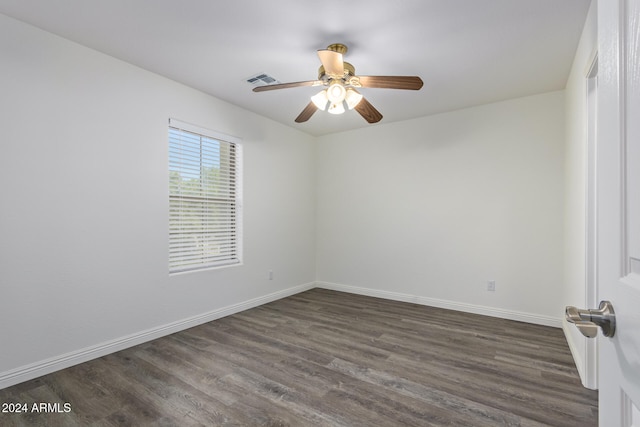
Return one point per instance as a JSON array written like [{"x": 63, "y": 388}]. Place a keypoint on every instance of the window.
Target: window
[{"x": 204, "y": 198}]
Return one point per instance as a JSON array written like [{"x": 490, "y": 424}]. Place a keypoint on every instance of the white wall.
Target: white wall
[
  {"x": 84, "y": 216},
  {"x": 575, "y": 190},
  {"x": 429, "y": 210}
]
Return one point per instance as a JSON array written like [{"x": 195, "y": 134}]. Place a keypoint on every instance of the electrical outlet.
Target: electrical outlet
[
  {"x": 491, "y": 285},
  {"x": 270, "y": 274}
]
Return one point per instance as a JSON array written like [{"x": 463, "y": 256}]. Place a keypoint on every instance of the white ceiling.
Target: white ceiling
[{"x": 468, "y": 52}]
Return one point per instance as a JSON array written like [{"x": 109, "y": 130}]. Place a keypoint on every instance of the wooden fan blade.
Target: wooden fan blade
[
  {"x": 392, "y": 82},
  {"x": 287, "y": 85},
  {"x": 368, "y": 111},
  {"x": 306, "y": 113},
  {"x": 332, "y": 62}
]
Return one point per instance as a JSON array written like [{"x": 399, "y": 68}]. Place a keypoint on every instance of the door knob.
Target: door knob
[{"x": 588, "y": 321}]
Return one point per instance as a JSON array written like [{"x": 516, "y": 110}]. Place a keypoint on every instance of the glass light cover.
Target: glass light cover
[
  {"x": 353, "y": 97},
  {"x": 336, "y": 108},
  {"x": 320, "y": 99},
  {"x": 336, "y": 93}
]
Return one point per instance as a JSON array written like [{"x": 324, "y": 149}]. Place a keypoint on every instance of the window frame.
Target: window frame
[{"x": 205, "y": 206}]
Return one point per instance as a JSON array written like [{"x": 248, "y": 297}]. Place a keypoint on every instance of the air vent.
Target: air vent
[{"x": 262, "y": 79}]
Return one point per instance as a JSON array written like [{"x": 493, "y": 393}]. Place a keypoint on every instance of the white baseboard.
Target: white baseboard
[
  {"x": 451, "y": 305},
  {"x": 34, "y": 370}
]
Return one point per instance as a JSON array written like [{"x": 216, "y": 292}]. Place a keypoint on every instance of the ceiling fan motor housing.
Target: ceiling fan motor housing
[{"x": 349, "y": 71}]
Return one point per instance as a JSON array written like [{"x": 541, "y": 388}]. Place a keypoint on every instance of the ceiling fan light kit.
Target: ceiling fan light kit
[
  {"x": 341, "y": 80},
  {"x": 336, "y": 97}
]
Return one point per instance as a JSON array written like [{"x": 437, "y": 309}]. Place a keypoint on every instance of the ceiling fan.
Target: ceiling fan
[{"x": 341, "y": 82}]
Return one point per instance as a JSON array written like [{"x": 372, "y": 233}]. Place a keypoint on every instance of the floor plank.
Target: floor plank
[{"x": 325, "y": 358}]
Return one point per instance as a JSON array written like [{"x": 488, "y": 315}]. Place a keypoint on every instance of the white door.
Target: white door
[{"x": 618, "y": 187}]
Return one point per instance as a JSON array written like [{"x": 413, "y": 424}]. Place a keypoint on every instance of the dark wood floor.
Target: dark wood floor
[{"x": 325, "y": 358}]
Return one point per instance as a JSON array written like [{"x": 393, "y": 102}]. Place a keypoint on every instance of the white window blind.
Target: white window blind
[{"x": 204, "y": 198}]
